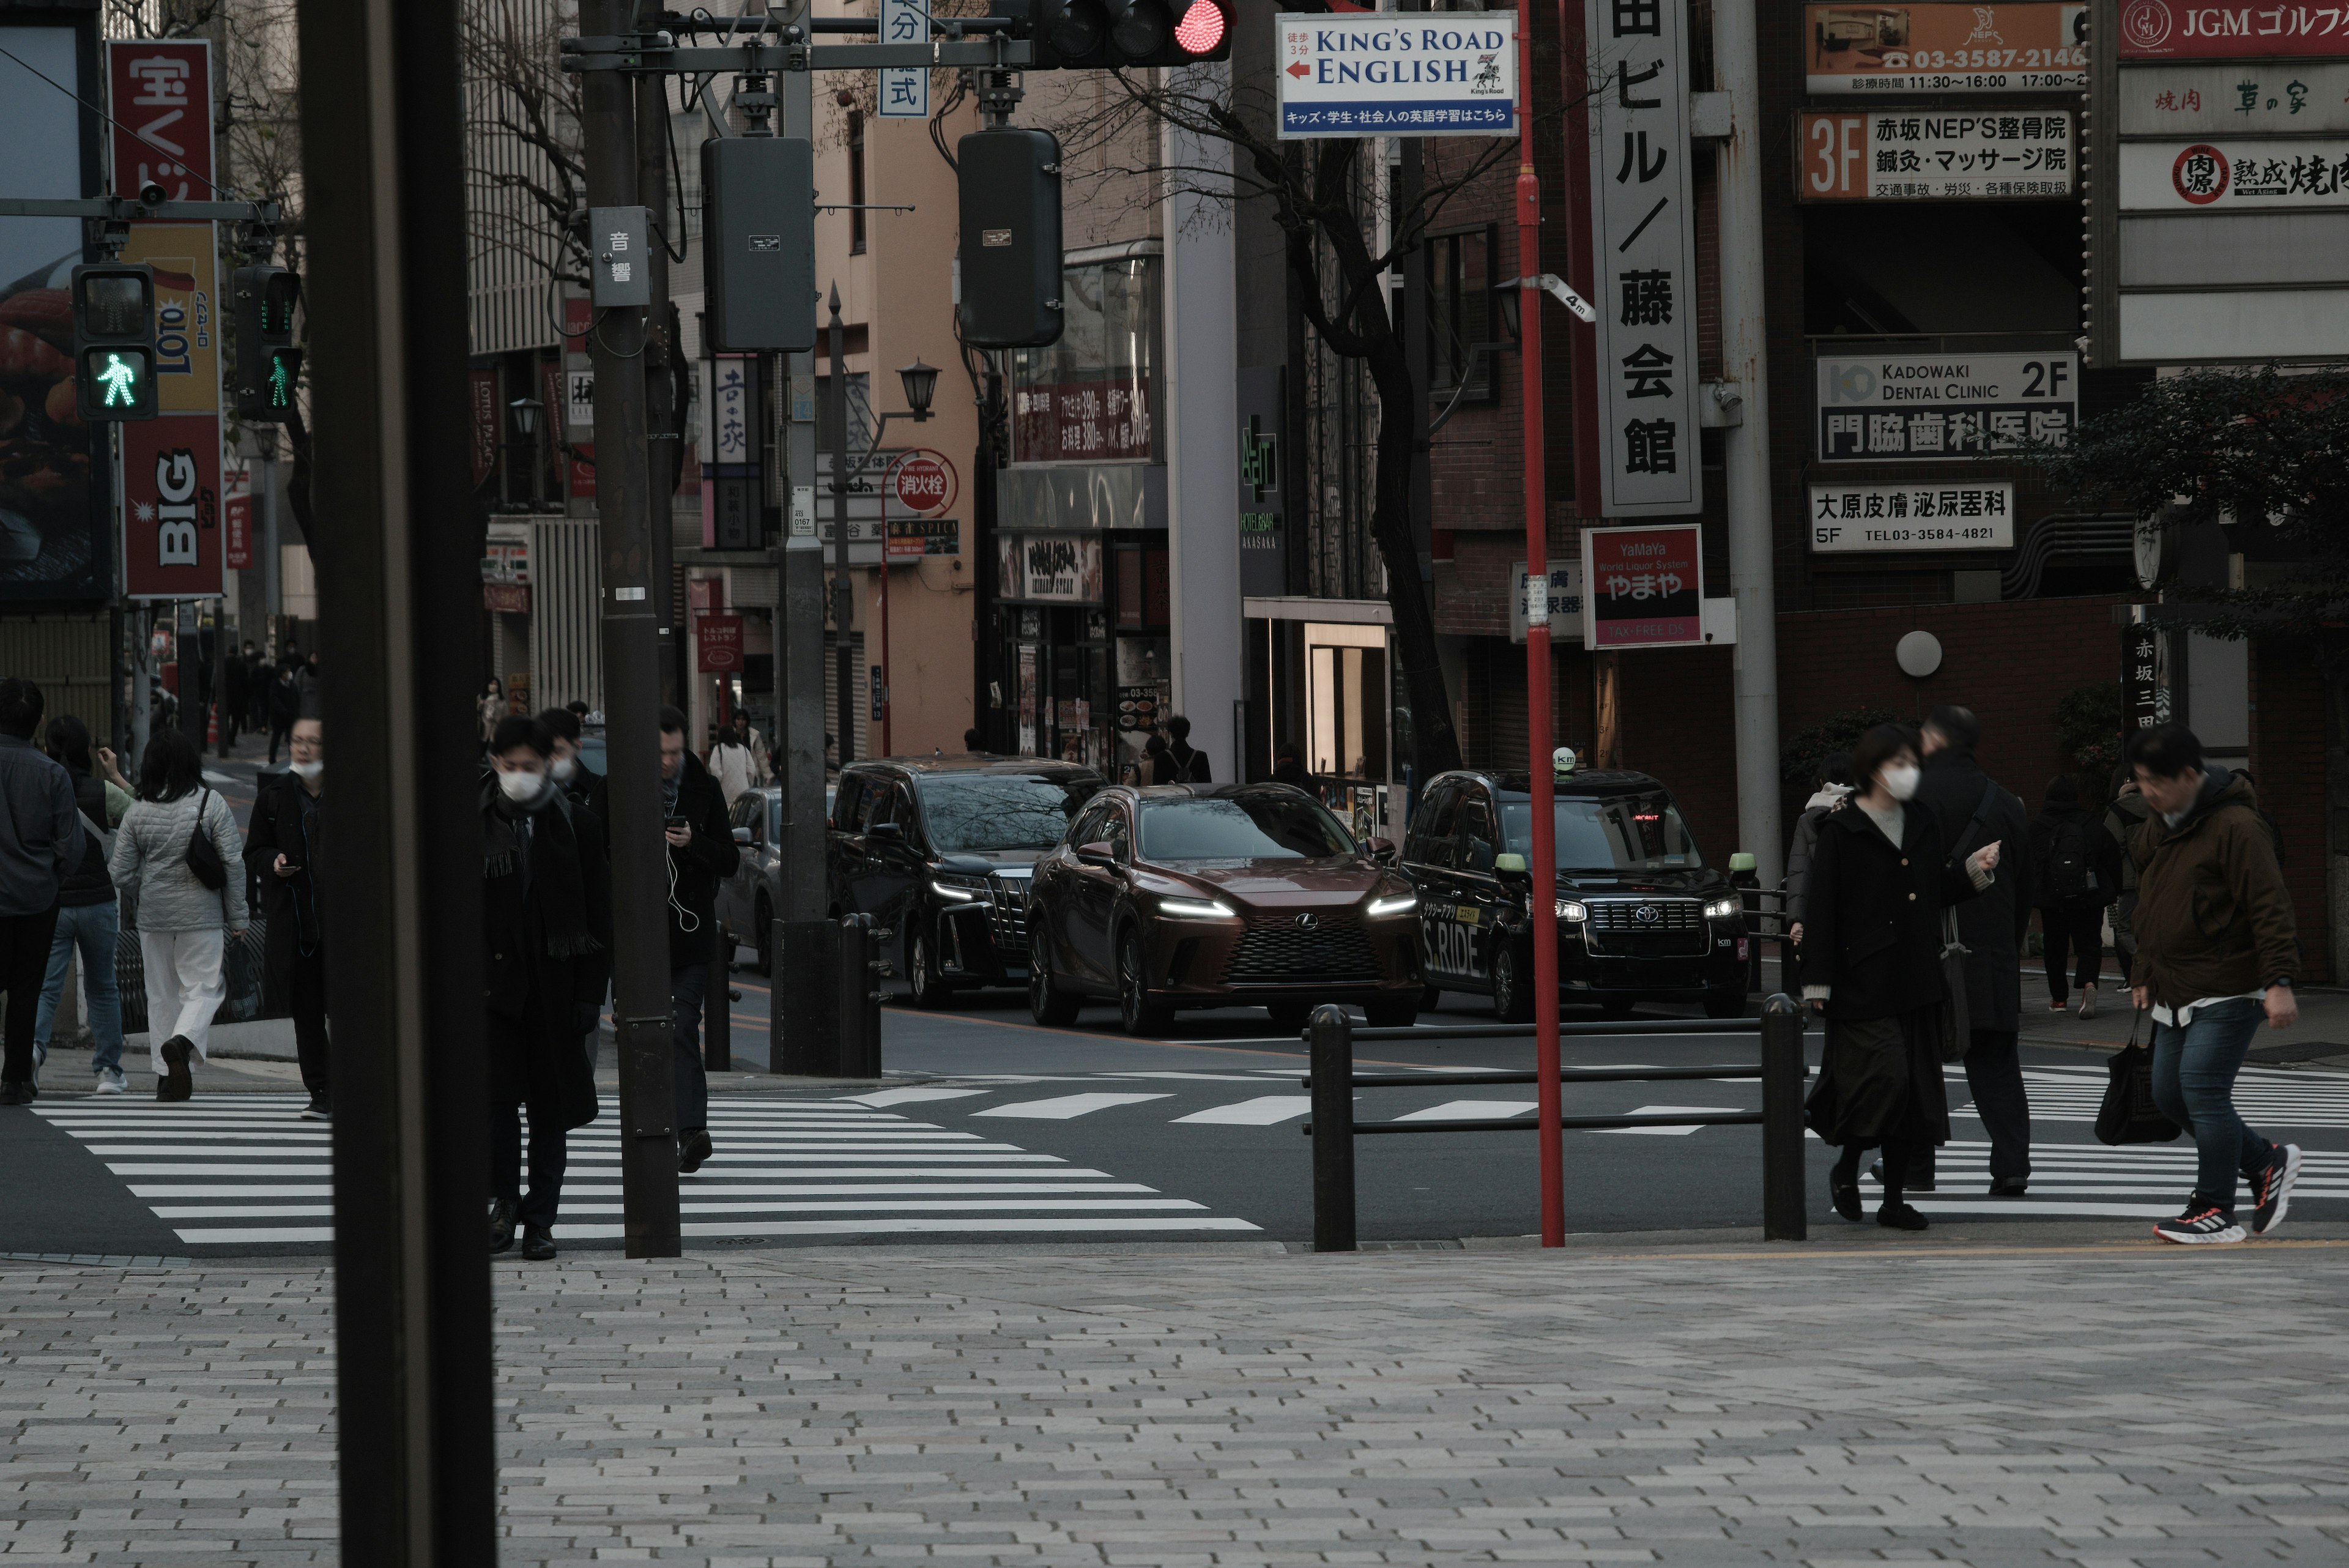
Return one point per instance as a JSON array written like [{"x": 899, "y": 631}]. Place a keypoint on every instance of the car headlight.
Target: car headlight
[
  {"x": 1568, "y": 909},
  {"x": 1195, "y": 908},
  {"x": 1722, "y": 909},
  {"x": 1401, "y": 904},
  {"x": 960, "y": 889}
]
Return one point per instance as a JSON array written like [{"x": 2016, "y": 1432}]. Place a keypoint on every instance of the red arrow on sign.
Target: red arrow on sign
[{"x": 1301, "y": 70}]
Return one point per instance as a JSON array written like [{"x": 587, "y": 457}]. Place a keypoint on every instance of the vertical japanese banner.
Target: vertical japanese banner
[
  {"x": 1644, "y": 244},
  {"x": 172, "y": 546},
  {"x": 905, "y": 89},
  {"x": 1643, "y": 588},
  {"x": 236, "y": 515},
  {"x": 481, "y": 391}
]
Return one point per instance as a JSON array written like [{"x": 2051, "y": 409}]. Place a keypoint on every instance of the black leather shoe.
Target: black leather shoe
[
  {"x": 1846, "y": 1200},
  {"x": 2010, "y": 1186},
  {"x": 176, "y": 1084},
  {"x": 1901, "y": 1216},
  {"x": 537, "y": 1243},
  {"x": 696, "y": 1149},
  {"x": 18, "y": 1091},
  {"x": 501, "y": 1224}
]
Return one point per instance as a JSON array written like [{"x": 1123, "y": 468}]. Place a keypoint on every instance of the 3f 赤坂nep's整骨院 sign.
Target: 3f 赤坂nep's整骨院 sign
[{"x": 1390, "y": 73}]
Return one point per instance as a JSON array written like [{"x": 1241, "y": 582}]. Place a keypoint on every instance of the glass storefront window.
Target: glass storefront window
[{"x": 1093, "y": 396}]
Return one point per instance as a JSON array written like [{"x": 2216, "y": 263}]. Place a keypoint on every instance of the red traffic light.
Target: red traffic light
[{"x": 1203, "y": 28}]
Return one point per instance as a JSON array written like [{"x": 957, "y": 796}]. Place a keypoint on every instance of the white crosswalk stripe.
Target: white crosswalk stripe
[
  {"x": 239, "y": 1170},
  {"x": 2147, "y": 1181},
  {"x": 2264, "y": 1097}
]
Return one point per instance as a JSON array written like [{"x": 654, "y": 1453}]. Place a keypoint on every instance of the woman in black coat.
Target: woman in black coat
[
  {"x": 1871, "y": 963},
  {"x": 547, "y": 928}
]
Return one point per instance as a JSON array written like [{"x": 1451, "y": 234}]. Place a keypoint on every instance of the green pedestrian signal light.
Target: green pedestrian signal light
[
  {"x": 114, "y": 341},
  {"x": 267, "y": 369}
]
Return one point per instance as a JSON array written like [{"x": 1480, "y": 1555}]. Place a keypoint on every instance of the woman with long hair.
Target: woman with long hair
[
  {"x": 183, "y": 924},
  {"x": 87, "y": 910},
  {"x": 1871, "y": 964}
]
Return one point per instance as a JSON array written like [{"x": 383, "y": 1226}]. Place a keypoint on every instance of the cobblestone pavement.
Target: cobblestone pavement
[{"x": 1986, "y": 1405}]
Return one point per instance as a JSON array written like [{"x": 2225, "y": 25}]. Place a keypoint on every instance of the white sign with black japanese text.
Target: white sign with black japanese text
[
  {"x": 1855, "y": 519},
  {"x": 905, "y": 89},
  {"x": 1890, "y": 408},
  {"x": 1643, "y": 228}
]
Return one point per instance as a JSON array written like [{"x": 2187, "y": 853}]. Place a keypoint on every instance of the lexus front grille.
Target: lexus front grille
[{"x": 1282, "y": 953}]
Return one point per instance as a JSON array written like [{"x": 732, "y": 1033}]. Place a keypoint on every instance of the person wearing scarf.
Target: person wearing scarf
[{"x": 547, "y": 928}]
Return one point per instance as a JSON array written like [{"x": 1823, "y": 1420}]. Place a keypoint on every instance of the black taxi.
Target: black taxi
[{"x": 1640, "y": 916}]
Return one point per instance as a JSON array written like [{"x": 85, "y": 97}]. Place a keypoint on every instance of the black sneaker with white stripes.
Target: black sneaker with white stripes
[
  {"x": 2271, "y": 1188},
  {"x": 2203, "y": 1224}
]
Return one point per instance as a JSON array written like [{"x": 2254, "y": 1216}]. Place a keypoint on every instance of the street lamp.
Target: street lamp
[
  {"x": 524, "y": 412},
  {"x": 921, "y": 383}
]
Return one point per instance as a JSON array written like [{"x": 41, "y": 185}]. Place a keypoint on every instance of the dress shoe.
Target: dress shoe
[
  {"x": 18, "y": 1091},
  {"x": 1847, "y": 1200},
  {"x": 537, "y": 1242},
  {"x": 501, "y": 1224},
  {"x": 695, "y": 1148},
  {"x": 2010, "y": 1186},
  {"x": 1901, "y": 1216},
  {"x": 176, "y": 1084}
]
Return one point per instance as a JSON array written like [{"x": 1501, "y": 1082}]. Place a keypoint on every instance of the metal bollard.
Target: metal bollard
[
  {"x": 1330, "y": 1044},
  {"x": 803, "y": 1036},
  {"x": 1783, "y": 1074},
  {"x": 716, "y": 1016},
  {"x": 860, "y": 999}
]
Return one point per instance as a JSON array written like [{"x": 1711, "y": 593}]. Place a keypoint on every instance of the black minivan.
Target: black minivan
[
  {"x": 1640, "y": 916},
  {"x": 940, "y": 852}
]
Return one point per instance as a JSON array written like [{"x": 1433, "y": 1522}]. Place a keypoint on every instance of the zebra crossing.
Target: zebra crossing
[
  {"x": 232, "y": 1170},
  {"x": 2264, "y": 1097},
  {"x": 2149, "y": 1181}
]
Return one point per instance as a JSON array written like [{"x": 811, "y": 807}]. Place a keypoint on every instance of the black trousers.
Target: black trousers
[
  {"x": 549, "y": 1154},
  {"x": 24, "y": 969},
  {"x": 1994, "y": 1074},
  {"x": 306, "y": 999},
  {"x": 2080, "y": 926},
  {"x": 281, "y": 729}
]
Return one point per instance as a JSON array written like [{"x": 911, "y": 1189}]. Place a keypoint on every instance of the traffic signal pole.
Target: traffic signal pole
[
  {"x": 383, "y": 170},
  {"x": 1551, "y": 1136},
  {"x": 663, "y": 395},
  {"x": 640, "y": 969}
]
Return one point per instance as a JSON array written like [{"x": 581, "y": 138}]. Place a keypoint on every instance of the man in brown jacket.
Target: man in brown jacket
[{"x": 2215, "y": 954}]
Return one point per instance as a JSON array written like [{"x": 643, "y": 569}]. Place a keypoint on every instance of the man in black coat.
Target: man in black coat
[
  {"x": 546, "y": 909},
  {"x": 1972, "y": 810},
  {"x": 701, "y": 853},
  {"x": 281, "y": 850},
  {"x": 285, "y": 707},
  {"x": 235, "y": 700}
]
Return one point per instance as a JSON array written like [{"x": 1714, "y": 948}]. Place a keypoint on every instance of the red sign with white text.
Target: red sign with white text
[
  {"x": 719, "y": 641},
  {"x": 160, "y": 92},
  {"x": 924, "y": 483},
  {"x": 172, "y": 543},
  {"x": 2177, "y": 30},
  {"x": 236, "y": 515},
  {"x": 1643, "y": 588}
]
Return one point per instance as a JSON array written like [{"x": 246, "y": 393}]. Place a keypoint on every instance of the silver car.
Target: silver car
[{"x": 746, "y": 900}]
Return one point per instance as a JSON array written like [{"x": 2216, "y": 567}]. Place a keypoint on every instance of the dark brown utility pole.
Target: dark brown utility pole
[
  {"x": 663, "y": 397},
  {"x": 384, "y": 178},
  {"x": 640, "y": 967}
]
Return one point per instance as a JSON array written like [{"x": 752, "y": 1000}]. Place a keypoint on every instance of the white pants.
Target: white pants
[{"x": 185, "y": 988}]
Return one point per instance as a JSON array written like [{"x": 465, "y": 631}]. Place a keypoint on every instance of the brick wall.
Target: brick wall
[{"x": 2288, "y": 770}]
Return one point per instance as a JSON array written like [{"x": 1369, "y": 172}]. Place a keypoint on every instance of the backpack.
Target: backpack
[{"x": 2063, "y": 868}]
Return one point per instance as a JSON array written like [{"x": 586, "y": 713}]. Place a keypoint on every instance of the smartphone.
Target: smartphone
[{"x": 673, "y": 822}]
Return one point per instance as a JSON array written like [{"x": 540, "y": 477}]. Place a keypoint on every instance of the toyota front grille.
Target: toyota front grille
[{"x": 1008, "y": 915}]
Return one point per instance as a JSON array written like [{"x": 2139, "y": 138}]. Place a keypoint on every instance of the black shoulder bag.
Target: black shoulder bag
[
  {"x": 204, "y": 857},
  {"x": 1953, "y": 951},
  {"x": 2128, "y": 1114}
]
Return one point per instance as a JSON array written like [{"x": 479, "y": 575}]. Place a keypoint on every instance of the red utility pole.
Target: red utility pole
[{"x": 1538, "y": 728}]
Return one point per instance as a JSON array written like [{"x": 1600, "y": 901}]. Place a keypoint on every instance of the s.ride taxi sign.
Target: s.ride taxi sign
[{"x": 1409, "y": 73}]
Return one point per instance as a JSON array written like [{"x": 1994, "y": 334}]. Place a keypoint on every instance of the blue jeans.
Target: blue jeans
[
  {"x": 94, "y": 928},
  {"x": 687, "y": 987},
  {"x": 2194, "y": 1072}
]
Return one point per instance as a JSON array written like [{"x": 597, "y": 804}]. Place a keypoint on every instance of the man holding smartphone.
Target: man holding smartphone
[
  {"x": 701, "y": 853},
  {"x": 281, "y": 849}
]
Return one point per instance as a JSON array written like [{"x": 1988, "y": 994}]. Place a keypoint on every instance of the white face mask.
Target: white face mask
[
  {"x": 307, "y": 771},
  {"x": 1900, "y": 782},
  {"x": 562, "y": 768},
  {"x": 520, "y": 787}
]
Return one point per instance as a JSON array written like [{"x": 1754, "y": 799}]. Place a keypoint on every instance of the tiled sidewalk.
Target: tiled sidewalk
[{"x": 2093, "y": 1406}]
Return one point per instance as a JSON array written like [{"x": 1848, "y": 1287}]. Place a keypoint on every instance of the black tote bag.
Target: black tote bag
[{"x": 2128, "y": 1114}]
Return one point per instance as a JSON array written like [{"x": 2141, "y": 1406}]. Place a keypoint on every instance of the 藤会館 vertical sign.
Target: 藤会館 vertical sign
[
  {"x": 1643, "y": 237},
  {"x": 905, "y": 89},
  {"x": 1643, "y": 588}
]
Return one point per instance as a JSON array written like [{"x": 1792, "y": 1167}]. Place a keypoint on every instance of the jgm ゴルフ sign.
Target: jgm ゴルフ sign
[
  {"x": 1395, "y": 73},
  {"x": 1891, "y": 407},
  {"x": 1643, "y": 254},
  {"x": 1643, "y": 588}
]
